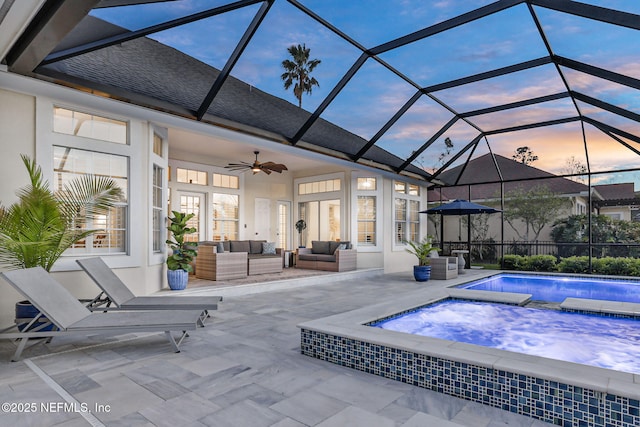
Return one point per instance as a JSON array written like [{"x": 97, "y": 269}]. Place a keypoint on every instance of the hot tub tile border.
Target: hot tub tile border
[{"x": 551, "y": 401}]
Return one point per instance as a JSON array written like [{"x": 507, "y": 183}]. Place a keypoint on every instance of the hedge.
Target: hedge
[{"x": 575, "y": 264}]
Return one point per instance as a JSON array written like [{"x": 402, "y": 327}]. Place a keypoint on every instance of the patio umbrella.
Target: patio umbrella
[{"x": 459, "y": 207}]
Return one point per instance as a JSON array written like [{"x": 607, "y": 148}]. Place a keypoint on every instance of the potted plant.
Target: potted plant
[
  {"x": 38, "y": 228},
  {"x": 179, "y": 262},
  {"x": 300, "y": 226},
  {"x": 422, "y": 271}
]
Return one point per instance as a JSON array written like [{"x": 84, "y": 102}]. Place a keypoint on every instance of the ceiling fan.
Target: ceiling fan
[{"x": 256, "y": 166}]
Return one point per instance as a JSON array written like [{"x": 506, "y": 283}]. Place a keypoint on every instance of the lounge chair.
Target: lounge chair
[
  {"x": 115, "y": 292},
  {"x": 70, "y": 317}
]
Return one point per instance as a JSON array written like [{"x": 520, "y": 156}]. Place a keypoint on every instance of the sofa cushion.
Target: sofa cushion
[
  {"x": 269, "y": 248},
  {"x": 320, "y": 247},
  {"x": 326, "y": 258},
  {"x": 255, "y": 246},
  {"x": 220, "y": 247},
  {"x": 340, "y": 247},
  {"x": 240, "y": 246},
  {"x": 333, "y": 246},
  {"x": 227, "y": 245},
  {"x": 317, "y": 257},
  {"x": 261, "y": 256}
]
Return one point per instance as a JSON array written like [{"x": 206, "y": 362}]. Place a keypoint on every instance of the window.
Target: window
[
  {"x": 191, "y": 176},
  {"x": 406, "y": 188},
  {"x": 157, "y": 144},
  {"x": 365, "y": 184},
  {"x": 325, "y": 186},
  {"x": 75, "y": 123},
  {"x": 406, "y": 213},
  {"x": 157, "y": 204},
  {"x": 225, "y": 181},
  {"x": 191, "y": 205},
  {"x": 366, "y": 220},
  {"x": 70, "y": 163},
  {"x": 226, "y": 219}
]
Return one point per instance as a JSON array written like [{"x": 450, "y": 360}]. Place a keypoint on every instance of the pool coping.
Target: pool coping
[{"x": 352, "y": 325}]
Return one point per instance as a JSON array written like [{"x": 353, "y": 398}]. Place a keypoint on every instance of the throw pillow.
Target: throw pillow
[
  {"x": 220, "y": 248},
  {"x": 340, "y": 247},
  {"x": 269, "y": 248}
]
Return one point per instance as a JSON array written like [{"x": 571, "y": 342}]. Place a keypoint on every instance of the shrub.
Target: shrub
[
  {"x": 514, "y": 262},
  {"x": 541, "y": 263},
  {"x": 574, "y": 264},
  {"x": 616, "y": 266}
]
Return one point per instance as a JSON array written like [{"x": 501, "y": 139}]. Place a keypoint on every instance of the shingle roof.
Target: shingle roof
[
  {"x": 176, "y": 79},
  {"x": 515, "y": 174}
]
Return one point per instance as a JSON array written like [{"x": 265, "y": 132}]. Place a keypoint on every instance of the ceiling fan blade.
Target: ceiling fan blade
[{"x": 275, "y": 167}]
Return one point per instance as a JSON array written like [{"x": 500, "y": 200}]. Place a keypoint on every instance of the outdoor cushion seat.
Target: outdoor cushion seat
[
  {"x": 317, "y": 257},
  {"x": 70, "y": 317}
]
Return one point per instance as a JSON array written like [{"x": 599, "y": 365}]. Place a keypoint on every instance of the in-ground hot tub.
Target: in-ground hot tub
[{"x": 547, "y": 389}]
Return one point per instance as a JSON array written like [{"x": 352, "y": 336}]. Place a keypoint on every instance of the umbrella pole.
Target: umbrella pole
[
  {"x": 469, "y": 237},
  {"x": 442, "y": 232}
]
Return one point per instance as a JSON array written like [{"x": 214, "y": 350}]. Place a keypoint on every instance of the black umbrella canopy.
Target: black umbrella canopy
[{"x": 460, "y": 207}]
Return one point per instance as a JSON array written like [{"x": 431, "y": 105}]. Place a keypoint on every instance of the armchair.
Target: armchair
[{"x": 444, "y": 268}]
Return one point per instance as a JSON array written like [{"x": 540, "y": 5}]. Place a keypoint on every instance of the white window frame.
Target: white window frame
[
  {"x": 162, "y": 162},
  {"x": 208, "y": 191},
  {"x": 378, "y": 194},
  {"x": 328, "y": 195},
  {"x": 405, "y": 196},
  {"x": 46, "y": 139}
]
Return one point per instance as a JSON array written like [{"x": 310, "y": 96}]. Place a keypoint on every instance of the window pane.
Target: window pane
[
  {"x": 225, "y": 216},
  {"x": 191, "y": 176},
  {"x": 366, "y": 184},
  {"x": 366, "y": 220},
  {"x": 71, "y": 163},
  {"x": 157, "y": 226},
  {"x": 157, "y": 144},
  {"x": 89, "y": 126}
]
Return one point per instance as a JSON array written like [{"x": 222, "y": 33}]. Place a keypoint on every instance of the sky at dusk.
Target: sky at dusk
[{"x": 375, "y": 93}]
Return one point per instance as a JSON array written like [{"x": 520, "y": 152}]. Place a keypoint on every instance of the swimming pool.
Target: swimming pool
[
  {"x": 607, "y": 342},
  {"x": 556, "y": 288}
]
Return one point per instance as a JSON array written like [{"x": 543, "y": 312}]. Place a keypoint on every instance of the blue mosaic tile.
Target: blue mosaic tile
[{"x": 550, "y": 401}]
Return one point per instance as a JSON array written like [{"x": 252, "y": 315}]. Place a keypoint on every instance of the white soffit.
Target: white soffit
[{"x": 15, "y": 15}]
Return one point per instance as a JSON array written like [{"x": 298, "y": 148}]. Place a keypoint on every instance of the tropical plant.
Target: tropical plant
[
  {"x": 42, "y": 224},
  {"x": 422, "y": 249},
  {"x": 183, "y": 252},
  {"x": 298, "y": 70}
]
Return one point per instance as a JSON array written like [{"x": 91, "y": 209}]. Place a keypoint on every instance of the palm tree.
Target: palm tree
[
  {"x": 41, "y": 225},
  {"x": 298, "y": 71}
]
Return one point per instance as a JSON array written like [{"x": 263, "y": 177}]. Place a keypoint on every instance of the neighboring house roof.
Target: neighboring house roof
[
  {"x": 616, "y": 191},
  {"x": 622, "y": 194},
  {"x": 170, "y": 80},
  {"x": 516, "y": 175}
]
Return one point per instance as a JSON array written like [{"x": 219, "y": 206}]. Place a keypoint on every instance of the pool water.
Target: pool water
[
  {"x": 556, "y": 289},
  {"x": 606, "y": 342}
]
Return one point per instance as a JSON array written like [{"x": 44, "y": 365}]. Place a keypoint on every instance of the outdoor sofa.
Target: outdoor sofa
[
  {"x": 328, "y": 256},
  {"x": 236, "y": 259}
]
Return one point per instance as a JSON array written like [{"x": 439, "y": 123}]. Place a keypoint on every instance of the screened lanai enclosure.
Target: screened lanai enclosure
[{"x": 531, "y": 106}]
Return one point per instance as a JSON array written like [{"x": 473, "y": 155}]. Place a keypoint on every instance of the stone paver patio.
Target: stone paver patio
[{"x": 243, "y": 369}]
